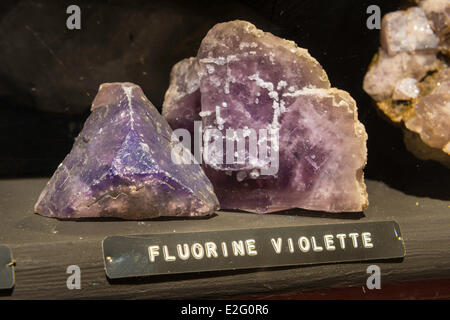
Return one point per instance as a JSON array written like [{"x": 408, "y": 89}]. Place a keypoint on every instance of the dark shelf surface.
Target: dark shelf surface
[{"x": 43, "y": 249}]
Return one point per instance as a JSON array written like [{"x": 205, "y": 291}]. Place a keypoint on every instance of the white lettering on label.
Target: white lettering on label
[
  {"x": 197, "y": 251},
  {"x": 329, "y": 243},
  {"x": 224, "y": 249},
  {"x": 238, "y": 248},
  {"x": 367, "y": 240},
  {"x": 153, "y": 251},
  {"x": 304, "y": 245},
  {"x": 316, "y": 248},
  {"x": 276, "y": 244},
  {"x": 211, "y": 250},
  {"x": 291, "y": 245},
  {"x": 250, "y": 246},
  {"x": 166, "y": 254},
  {"x": 341, "y": 237},
  {"x": 183, "y": 252},
  {"x": 354, "y": 235}
]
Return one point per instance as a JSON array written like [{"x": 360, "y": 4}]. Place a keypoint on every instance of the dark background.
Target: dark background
[{"x": 49, "y": 74}]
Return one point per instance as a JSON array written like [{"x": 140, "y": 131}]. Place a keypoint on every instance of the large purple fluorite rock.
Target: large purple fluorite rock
[
  {"x": 249, "y": 79},
  {"x": 121, "y": 166}
]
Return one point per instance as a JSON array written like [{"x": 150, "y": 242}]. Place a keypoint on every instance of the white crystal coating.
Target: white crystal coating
[{"x": 406, "y": 89}]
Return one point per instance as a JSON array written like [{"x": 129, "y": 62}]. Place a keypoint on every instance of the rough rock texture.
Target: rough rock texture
[
  {"x": 121, "y": 166},
  {"x": 252, "y": 80},
  {"x": 387, "y": 72},
  {"x": 431, "y": 118},
  {"x": 182, "y": 101},
  {"x": 409, "y": 77},
  {"x": 438, "y": 14},
  {"x": 407, "y": 31}
]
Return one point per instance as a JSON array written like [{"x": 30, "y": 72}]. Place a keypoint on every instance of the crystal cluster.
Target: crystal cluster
[
  {"x": 250, "y": 80},
  {"x": 121, "y": 166},
  {"x": 410, "y": 80}
]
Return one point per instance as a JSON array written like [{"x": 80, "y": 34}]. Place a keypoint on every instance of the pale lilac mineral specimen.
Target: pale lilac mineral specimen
[
  {"x": 409, "y": 77},
  {"x": 121, "y": 166},
  {"x": 253, "y": 81},
  {"x": 407, "y": 31},
  {"x": 431, "y": 118},
  {"x": 438, "y": 14}
]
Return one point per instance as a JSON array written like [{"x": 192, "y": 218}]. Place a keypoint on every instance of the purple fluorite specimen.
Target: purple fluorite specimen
[
  {"x": 249, "y": 79},
  {"x": 121, "y": 166}
]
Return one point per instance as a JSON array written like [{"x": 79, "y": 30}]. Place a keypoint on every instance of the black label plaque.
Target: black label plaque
[
  {"x": 169, "y": 253},
  {"x": 6, "y": 268}
]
